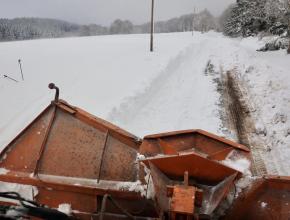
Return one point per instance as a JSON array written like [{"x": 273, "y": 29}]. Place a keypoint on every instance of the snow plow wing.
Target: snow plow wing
[
  {"x": 66, "y": 141},
  {"x": 203, "y": 143},
  {"x": 267, "y": 198},
  {"x": 68, "y": 156}
]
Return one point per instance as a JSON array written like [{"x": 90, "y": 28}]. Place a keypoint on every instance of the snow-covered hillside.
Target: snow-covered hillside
[
  {"x": 95, "y": 73},
  {"x": 115, "y": 77}
]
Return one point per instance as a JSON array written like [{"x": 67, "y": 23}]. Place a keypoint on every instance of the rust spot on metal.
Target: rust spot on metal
[{"x": 183, "y": 200}]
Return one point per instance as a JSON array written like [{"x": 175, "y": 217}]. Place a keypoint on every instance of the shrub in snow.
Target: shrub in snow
[
  {"x": 275, "y": 44},
  {"x": 278, "y": 28}
]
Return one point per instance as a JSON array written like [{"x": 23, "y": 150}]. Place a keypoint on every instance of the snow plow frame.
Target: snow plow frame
[{"x": 73, "y": 157}]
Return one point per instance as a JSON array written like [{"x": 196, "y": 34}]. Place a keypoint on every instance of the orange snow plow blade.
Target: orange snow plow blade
[
  {"x": 75, "y": 158},
  {"x": 66, "y": 141},
  {"x": 198, "y": 141},
  {"x": 178, "y": 178},
  {"x": 267, "y": 198},
  {"x": 200, "y": 169},
  {"x": 67, "y": 156}
]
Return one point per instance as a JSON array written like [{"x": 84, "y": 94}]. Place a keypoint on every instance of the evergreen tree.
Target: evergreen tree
[
  {"x": 246, "y": 18},
  {"x": 249, "y": 17}
]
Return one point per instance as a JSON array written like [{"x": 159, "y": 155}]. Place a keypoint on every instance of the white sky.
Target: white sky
[{"x": 106, "y": 11}]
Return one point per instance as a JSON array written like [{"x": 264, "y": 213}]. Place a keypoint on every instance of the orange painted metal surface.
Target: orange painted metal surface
[
  {"x": 75, "y": 147},
  {"x": 199, "y": 168},
  {"x": 199, "y": 141},
  {"x": 74, "y": 157},
  {"x": 183, "y": 199},
  {"x": 267, "y": 198}
]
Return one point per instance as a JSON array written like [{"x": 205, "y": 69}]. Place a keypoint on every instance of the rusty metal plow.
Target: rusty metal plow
[
  {"x": 67, "y": 156},
  {"x": 189, "y": 185}
]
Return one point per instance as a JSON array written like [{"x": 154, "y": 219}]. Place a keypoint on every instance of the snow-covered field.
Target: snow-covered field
[
  {"x": 95, "y": 73},
  {"x": 117, "y": 78}
]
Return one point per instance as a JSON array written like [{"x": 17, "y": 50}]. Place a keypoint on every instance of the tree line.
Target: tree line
[
  {"x": 35, "y": 28},
  {"x": 244, "y": 18}
]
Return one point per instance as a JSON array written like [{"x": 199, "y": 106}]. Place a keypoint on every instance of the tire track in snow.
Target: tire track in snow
[{"x": 239, "y": 118}]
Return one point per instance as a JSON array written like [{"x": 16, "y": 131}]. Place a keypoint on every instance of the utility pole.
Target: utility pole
[
  {"x": 193, "y": 19},
  {"x": 152, "y": 26}
]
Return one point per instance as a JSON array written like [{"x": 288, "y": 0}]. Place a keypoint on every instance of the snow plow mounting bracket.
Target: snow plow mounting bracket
[{"x": 53, "y": 86}]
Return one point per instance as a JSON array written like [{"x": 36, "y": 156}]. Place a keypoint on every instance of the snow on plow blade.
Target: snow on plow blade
[{"x": 69, "y": 158}]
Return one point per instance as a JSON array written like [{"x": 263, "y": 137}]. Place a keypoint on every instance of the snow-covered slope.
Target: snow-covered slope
[
  {"x": 115, "y": 77},
  {"x": 95, "y": 73}
]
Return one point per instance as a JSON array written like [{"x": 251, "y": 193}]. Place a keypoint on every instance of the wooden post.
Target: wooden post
[
  {"x": 152, "y": 26},
  {"x": 20, "y": 66}
]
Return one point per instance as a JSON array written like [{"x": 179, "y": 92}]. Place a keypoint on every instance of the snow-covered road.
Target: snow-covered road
[{"x": 181, "y": 97}]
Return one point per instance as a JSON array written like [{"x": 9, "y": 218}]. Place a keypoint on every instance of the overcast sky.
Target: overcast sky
[{"x": 105, "y": 11}]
